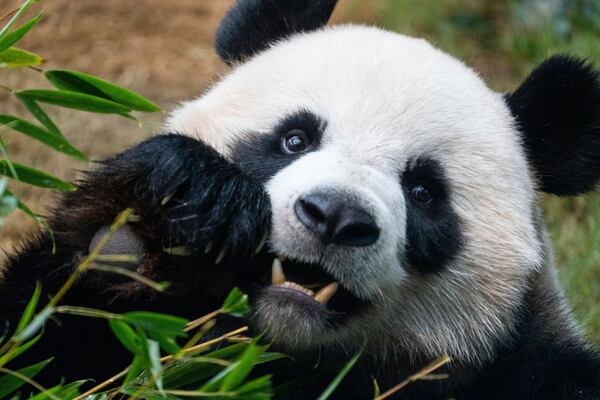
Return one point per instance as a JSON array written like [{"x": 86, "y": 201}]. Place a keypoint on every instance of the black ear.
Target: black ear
[
  {"x": 557, "y": 109},
  {"x": 251, "y": 25}
]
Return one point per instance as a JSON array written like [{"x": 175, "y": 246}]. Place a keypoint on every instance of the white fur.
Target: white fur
[{"x": 388, "y": 98}]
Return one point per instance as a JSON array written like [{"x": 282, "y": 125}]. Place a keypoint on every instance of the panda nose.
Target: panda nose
[{"x": 336, "y": 221}]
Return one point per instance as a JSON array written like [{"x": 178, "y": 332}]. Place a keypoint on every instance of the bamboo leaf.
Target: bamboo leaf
[
  {"x": 38, "y": 113},
  {"x": 136, "y": 367},
  {"x": 8, "y": 203},
  {"x": 155, "y": 363},
  {"x": 13, "y": 37},
  {"x": 10, "y": 383},
  {"x": 164, "y": 323},
  {"x": 19, "y": 12},
  {"x": 35, "y": 325},
  {"x": 23, "y": 207},
  {"x": 262, "y": 384},
  {"x": 16, "y": 58},
  {"x": 236, "y": 303},
  {"x": 88, "y": 84},
  {"x": 30, "y": 309},
  {"x": 340, "y": 376},
  {"x": 59, "y": 143},
  {"x": 24, "y": 347},
  {"x": 243, "y": 369},
  {"x": 35, "y": 177},
  {"x": 76, "y": 101},
  {"x": 167, "y": 343},
  {"x": 126, "y": 335}
]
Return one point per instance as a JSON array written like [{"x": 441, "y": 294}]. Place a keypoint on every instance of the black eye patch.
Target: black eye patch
[
  {"x": 262, "y": 156},
  {"x": 432, "y": 227}
]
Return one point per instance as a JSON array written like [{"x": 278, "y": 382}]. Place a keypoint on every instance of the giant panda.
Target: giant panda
[{"x": 367, "y": 190}]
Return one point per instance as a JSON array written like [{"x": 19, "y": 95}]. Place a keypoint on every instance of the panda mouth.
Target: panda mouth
[
  {"x": 279, "y": 282},
  {"x": 309, "y": 286}
]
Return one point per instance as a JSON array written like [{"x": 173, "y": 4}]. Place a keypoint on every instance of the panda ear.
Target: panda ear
[
  {"x": 252, "y": 25},
  {"x": 557, "y": 109}
]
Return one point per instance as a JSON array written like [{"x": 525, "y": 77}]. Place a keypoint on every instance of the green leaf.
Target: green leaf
[
  {"x": 50, "y": 394},
  {"x": 164, "y": 323},
  {"x": 126, "y": 335},
  {"x": 167, "y": 343},
  {"x": 9, "y": 163},
  {"x": 71, "y": 390},
  {"x": 35, "y": 177},
  {"x": 19, "y": 12},
  {"x": 136, "y": 367},
  {"x": 376, "y": 390},
  {"x": 213, "y": 384},
  {"x": 23, "y": 207},
  {"x": 13, "y": 37},
  {"x": 262, "y": 384},
  {"x": 88, "y": 84},
  {"x": 340, "y": 376},
  {"x": 49, "y": 138},
  {"x": 10, "y": 383},
  {"x": 269, "y": 357},
  {"x": 76, "y": 101},
  {"x": 35, "y": 325},
  {"x": 8, "y": 203},
  {"x": 236, "y": 303},
  {"x": 16, "y": 58},
  {"x": 30, "y": 309},
  {"x": 245, "y": 366},
  {"x": 155, "y": 363},
  {"x": 234, "y": 375},
  {"x": 38, "y": 113},
  {"x": 24, "y": 347},
  {"x": 193, "y": 370}
]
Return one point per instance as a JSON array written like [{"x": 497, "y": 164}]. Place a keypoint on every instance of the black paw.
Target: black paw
[{"x": 193, "y": 200}]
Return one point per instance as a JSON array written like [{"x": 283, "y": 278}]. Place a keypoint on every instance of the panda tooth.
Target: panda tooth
[
  {"x": 208, "y": 247},
  {"x": 325, "y": 294},
  {"x": 221, "y": 255},
  {"x": 277, "y": 276},
  {"x": 262, "y": 242}
]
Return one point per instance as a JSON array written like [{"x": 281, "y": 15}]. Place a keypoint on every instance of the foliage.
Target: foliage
[{"x": 75, "y": 90}]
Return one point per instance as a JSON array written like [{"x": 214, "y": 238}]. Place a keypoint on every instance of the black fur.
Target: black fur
[
  {"x": 432, "y": 229},
  {"x": 252, "y": 25},
  {"x": 262, "y": 156},
  {"x": 211, "y": 201},
  {"x": 539, "y": 361},
  {"x": 557, "y": 109}
]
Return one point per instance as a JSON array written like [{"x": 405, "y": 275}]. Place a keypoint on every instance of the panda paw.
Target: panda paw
[
  {"x": 216, "y": 212},
  {"x": 189, "y": 199}
]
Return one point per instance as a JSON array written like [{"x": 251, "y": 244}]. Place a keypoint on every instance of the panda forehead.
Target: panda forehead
[{"x": 390, "y": 94}]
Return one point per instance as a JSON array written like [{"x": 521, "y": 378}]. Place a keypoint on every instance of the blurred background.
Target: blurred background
[{"x": 163, "y": 50}]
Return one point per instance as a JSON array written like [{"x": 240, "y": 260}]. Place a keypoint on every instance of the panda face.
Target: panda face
[{"x": 393, "y": 172}]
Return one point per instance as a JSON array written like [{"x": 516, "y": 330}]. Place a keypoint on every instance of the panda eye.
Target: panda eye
[
  {"x": 421, "y": 194},
  {"x": 295, "y": 141}
]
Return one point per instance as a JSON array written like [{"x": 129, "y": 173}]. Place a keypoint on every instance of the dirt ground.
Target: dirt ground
[{"x": 163, "y": 49}]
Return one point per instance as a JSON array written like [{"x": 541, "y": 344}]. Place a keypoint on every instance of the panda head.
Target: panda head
[{"x": 395, "y": 174}]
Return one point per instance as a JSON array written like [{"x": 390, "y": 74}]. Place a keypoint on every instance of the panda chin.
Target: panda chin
[{"x": 302, "y": 303}]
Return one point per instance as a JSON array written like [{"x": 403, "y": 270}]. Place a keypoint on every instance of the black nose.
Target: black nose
[{"x": 335, "y": 220}]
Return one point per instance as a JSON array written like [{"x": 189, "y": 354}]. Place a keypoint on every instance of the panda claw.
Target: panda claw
[
  {"x": 221, "y": 255},
  {"x": 262, "y": 243},
  {"x": 166, "y": 199},
  {"x": 208, "y": 247}
]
